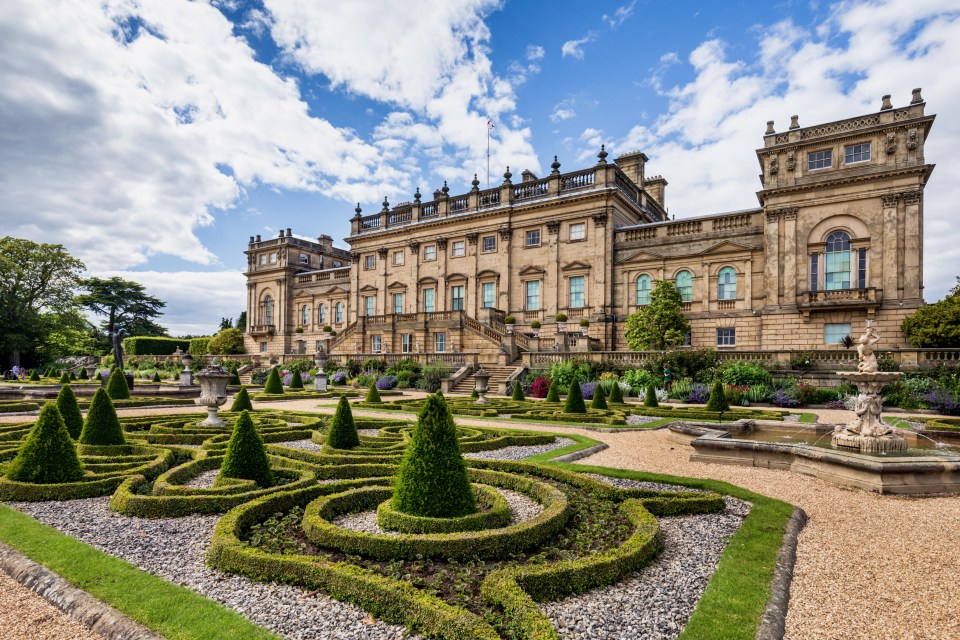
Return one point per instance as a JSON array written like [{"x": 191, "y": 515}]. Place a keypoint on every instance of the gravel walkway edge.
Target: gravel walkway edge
[
  {"x": 774, "y": 621},
  {"x": 583, "y": 453},
  {"x": 78, "y": 604}
]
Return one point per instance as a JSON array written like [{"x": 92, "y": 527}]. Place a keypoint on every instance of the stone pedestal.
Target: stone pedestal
[
  {"x": 320, "y": 382},
  {"x": 867, "y": 432},
  {"x": 213, "y": 393}
]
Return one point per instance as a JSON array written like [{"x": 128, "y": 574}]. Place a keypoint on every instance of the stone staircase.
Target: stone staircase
[{"x": 498, "y": 374}]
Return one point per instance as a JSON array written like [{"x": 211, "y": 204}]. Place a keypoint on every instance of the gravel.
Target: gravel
[
  {"x": 792, "y": 417},
  {"x": 26, "y": 616},
  {"x": 624, "y": 483},
  {"x": 203, "y": 481},
  {"x": 520, "y": 452},
  {"x": 374, "y": 433},
  {"x": 307, "y": 445},
  {"x": 635, "y": 420},
  {"x": 174, "y": 548}
]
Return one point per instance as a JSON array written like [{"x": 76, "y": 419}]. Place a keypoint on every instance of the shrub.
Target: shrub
[
  {"x": 34, "y": 376},
  {"x": 117, "y": 386},
  {"x": 152, "y": 345},
  {"x": 535, "y": 325},
  {"x": 385, "y": 383},
  {"x": 509, "y": 320},
  {"x": 373, "y": 395},
  {"x": 296, "y": 382},
  {"x": 246, "y": 457},
  {"x": 736, "y": 394},
  {"x": 561, "y": 317},
  {"x": 584, "y": 323},
  {"x": 102, "y": 427},
  {"x": 83, "y": 374},
  {"x": 343, "y": 429},
  {"x": 574, "y": 402},
  {"x": 599, "y": 400},
  {"x": 234, "y": 376},
  {"x": 650, "y": 400},
  {"x": 785, "y": 397},
  {"x": 228, "y": 342},
  {"x": 587, "y": 389},
  {"x": 518, "y": 391},
  {"x": 273, "y": 386},
  {"x": 540, "y": 387},
  {"x": 698, "y": 393},
  {"x": 566, "y": 370},
  {"x": 639, "y": 378},
  {"x": 98, "y": 377},
  {"x": 70, "y": 411},
  {"x": 746, "y": 374},
  {"x": 73, "y": 377},
  {"x": 64, "y": 378},
  {"x": 616, "y": 394},
  {"x": 432, "y": 479},
  {"x": 807, "y": 394},
  {"x": 287, "y": 379},
  {"x": 156, "y": 377},
  {"x": 433, "y": 373},
  {"x": 375, "y": 365},
  {"x": 553, "y": 394},
  {"x": 241, "y": 401},
  {"x": 199, "y": 346},
  {"x": 718, "y": 399},
  {"x": 48, "y": 456},
  {"x": 759, "y": 393},
  {"x": 340, "y": 377}
]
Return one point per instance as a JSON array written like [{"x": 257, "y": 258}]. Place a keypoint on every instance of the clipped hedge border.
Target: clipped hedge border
[
  {"x": 494, "y": 513},
  {"x": 28, "y": 492},
  {"x": 18, "y": 407}
]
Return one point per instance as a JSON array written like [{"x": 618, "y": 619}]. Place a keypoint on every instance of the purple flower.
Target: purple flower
[
  {"x": 944, "y": 401},
  {"x": 386, "y": 383},
  {"x": 783, "y": 398},
  {"x": 340, "y": 377},
  {"x": 699, "y": 393},
  {"x": 587, "y": 389}
]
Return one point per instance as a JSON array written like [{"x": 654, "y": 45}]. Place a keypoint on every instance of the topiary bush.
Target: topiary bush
[
  {"x": 83, "y": 375},
  {"x": 273, "y": 386},
  {"x": 650, "y": 400},
  {"x": 102, "y": 426},
  {"x": 296, "y": 381},
  {"x": 616, "y": 394},
  {"x": 64, "y": 378},
  {"x": 241, "y": 401},
  {"x": 432, "y": 480},
  {"x": 343, "y": 429},
  {"x": 599, "y": 400},
  {"x": 246, "y": 456},
  {"x": 574, "y": 402},
  {"x": 518, "y": 391},
  {"x": 98, "y": 377},
  {"x": 553, "y": 394},
  {"x": 234, "y": 376},
  {"x": 34, "y": 376},
  {"x": 48, "y": 456},
  {"x": 117, "y": 387},
  {"x": 718, "y": 399},
  {"x": 373, "y": 395},
  {"x": 70, "y": 411},
  {"x": 156, "y": 377}
]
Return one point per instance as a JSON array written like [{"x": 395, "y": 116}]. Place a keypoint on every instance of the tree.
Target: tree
[
  {"x": 241, "y": 401},
  {"x": 117, "y": 387},
  {"x": 373, "y": 395},
  {"x": 273, "y": 386},
  {"x": 241, "y": 322},
  {"x": 48, "y": 456},
  {"x": 37, "y": 284},
  {"x": 718, "y": 399},
  {"x": 228, "y": 342},
  {"x": 518, "y": 391},
  {"x": 226, "y": 323},
  {"x": 70, "y": 411},
  {"x": 246, "y": 456},
  {"x": 127, "y": 307},
  {"x": 553, "y": 394},
  {"x": 343, "y": 430},
  {"x": 650, "y": 400},
  {"x": 574, "y": 402},
  {"x": 599, "y": 400},
  {"x": 102, "y": 426},
  {"x": 660, "y": 324},
  {"x": 616, "y": 394},
  {"x": 936, "y": 325}
]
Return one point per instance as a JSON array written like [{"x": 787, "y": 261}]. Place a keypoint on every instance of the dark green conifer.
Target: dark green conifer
[
  {"x": 373, "y": 395},
  {"x": 599, "y": 400},
  {"x": 241, "y": 401},
  {"x": 273, "y": 386},
  {"x": 83, "y": 374},
  {"x": 553, "y": 394},
  {"x": 34, "y": 376},
  {"x": 70, "y": 411},
  {"x": 64, "y": 378},
  {"x": 234, "y": 376},
  {"x": 718, "y": 399},
  {"x": 650, "y": 400},
  {"x": 73, "y": 377},
  {"x": 48, "y": 456},
  {"x": 102, "y": 427},
  {"x": 156, "y": 377},
  {"x": 518, "y": 391},
  {"x": 296, "y": 382},
  {"x": 616, "y": 394},
  {"x": 343, "y": 430},
  {"x": 246, "y": 457},
  {"x": 117, "y": 386},
  {"x": 574, "y": 402}
]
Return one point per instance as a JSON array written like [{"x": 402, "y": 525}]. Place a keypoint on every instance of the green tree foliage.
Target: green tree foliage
[
  {"x": 553, "y": 394},
  {"x": 660, "y": 324},
  {"x": 518, "y": 391},
  {"x": 599, "y": 400},
  {"x": 64, "y": 378},
  {"x": 102, "y": 425},
  {"x": 228, "y": 342},
  {"x": 274, "y": 385},
  {"x": 125, "y": 305},
  {"x": 117, "y": 386},
  {"x": 718, "y": 399},
  {"x": 83, "y": 374},
  {"x": 432, "y": 480},
  {"x": 70, "y": 411},
  {"x": 574, "y": 402},
  {"x": 650, "y": 400},
  {"x": 937, "y": 325},
  {"x": 48, "y": 456},
  {"x": 616, "y": 394},
  {"x": 226, "y": 323},
  {"x": 241, "y": 322},
  {"x": 246, "y": 457},
  {"x": 234, "y": 375},
  {"x": 34, "y": 376},
  {"x": 241, "y": 401},
  {"x": 343, "y": 430},
  {"x": 296, "y": 382},
  {"x": 373, "y": 395}
]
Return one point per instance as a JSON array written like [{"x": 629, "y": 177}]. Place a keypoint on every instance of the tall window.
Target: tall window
[
  {"x": 856, "y": 153},
  {"x": 273, "y": 257},
  {"x": 321, "y": 313},
  {"x": 835, "y": 332},
  {"x": 268, "y": 310},
  {"x": 305, "y": 315},
  {"x": 338, "y": 313},
  {"x": 533, "y": 237},
  {"x": 726, "y": 337},
  {"x": 263, "y": 347},
  {"x": 263, "y": 258},
  {"x": 369, "y": 305},
  {"x": 862, "y": 268},
  {"x": 489, "y": 243},
  {"x": 814, "y": 271},
  {"x": 456, "y": 298},
  {"x": 398, "y": 257},
  {"x": 576, "y": 292},
  {"x": 727, "y": 284},
  {"x": 406, "y": 343},
  {"x": 430, "y": 252},
  {"x": 533, "y": 295},
  {"x": 644, "y": 285},
  {"x": 376, "y": 343},
  {"x": 578, "y": 231},
  {"x": 429, "y": 300},
  {"x": 684, "y": 283},
  {"x": 439, "y": 342},
  {"x": 370, "y": 262},
  {"x": 819, "y": 160},
  {"x": 837, "y": 267},
  {"x": 459, "y": 248},
  {"x": 488, "y": 294},
  {"x": 398, "y": 303}
]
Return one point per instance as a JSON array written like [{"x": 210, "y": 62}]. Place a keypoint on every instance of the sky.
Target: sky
[{"x": 152, "y": 137}]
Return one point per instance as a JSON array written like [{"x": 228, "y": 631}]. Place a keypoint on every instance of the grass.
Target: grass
[
  {"x": 808, "y": 417},
  {"x": 175, "y": 612}
]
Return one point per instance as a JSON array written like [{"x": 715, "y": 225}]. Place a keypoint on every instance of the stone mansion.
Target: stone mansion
[{"x": 837, "y": 238}]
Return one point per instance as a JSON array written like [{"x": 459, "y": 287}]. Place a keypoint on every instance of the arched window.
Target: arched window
[
  {"x": 321, "y": 313},
  {"x": 644, "y": 285},
  {"x": 268, "y": 310},
  {"x": 727, "y": 284},
  {"x": 684, "y": 282},
  {"x": 305, "y": 315},
  {"x": 837, "y": 268},
  {"x": 338, "y": 312}
]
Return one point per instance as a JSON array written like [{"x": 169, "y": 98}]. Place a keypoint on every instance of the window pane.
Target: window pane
[
  {"x": 856, "y": 153},
  {"x": 429, "y": 300},
  {"x": 726, "y": 337},
  {"x": 820, "y": 160},
  {"x": 430, "y": 252},
  {"x": 576, "y": 292},
  {"x": 834, "y": 332},
  {"x": 727, "y": 284},
  {"x": 338, "y": 312},
  {"x": 862, "y": 268},
  {"x": 577, "y": 231},
  {"x": 814, "y": 271},
  {"x": 644, "y": 284},
  {"x": 488, "y": 294},
  {"x": 405, "y": 341},
  {"x": 456, "y": 295},
  {"x": 398, "y": 303},
  {"x": 440, "y": 342},
  {"x": 398, "y": 257},
  {"x": 533, "y": 238},
  {"x": 377, "y": 344},
  {"x": 459, "y": 248},
  {"x": 490, "y": 243},
  {"x": 684, "y": 285},
  {"x": 533, "y": 295}
]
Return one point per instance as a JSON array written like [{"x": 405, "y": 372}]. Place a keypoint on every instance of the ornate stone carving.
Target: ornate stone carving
[
  {"x": 913, "y": 139},
  {"x": 773, "y": 216},
  {"x": 505, "y": 234},
  {"x": 553, "y": 227},
  {"x": 442, "y": 243},
  {"x": 472, "y": 238},
  {"x": 891, "y": 147},
  {"x": 382, "y": 253},
  {"x": 791, "y": 161},
  {"x": 414, "y": 246},
  {"x": 600, "y": 219},
  {"x": 787, "y": 213},
  {"x": 354, "y": 256},
  {"x": 774, "y": 167},
  {"x": 890, "y": 200},
  {"x": 912, "y": 197}
]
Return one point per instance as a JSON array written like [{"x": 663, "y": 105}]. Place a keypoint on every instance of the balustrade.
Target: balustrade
[
  {"x": 578, "y": 180},
  {"x": 458, "y": 204},
  {"x": 529, "y": 190}
]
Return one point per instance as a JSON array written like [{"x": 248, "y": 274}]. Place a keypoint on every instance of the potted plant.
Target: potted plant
[
  {"x": 509, "y": 321},
  {"x": 584, "y": 326},
  {"x": 561, "y": 319},
  {"x": 298, "y": 330},
  {"x": 535, "y": 325},
  {"x": 327, "y": 329}
]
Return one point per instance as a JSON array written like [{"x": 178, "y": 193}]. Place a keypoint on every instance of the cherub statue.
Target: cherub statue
[{"x": 865, "y": 345}]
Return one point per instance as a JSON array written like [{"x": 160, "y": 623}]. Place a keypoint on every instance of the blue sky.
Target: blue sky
[{"x": 153, "y": 137}]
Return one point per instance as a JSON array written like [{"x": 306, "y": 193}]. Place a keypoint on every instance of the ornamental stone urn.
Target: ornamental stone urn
[
  {"x": 186, "y": 376},
  {"x": 213, "y": 392},
  {"x": 320, "y": 380},
  {"x": 482, "y": 385}
]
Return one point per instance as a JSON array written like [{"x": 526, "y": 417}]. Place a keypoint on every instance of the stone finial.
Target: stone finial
[
  {"x": 386, "y": 205},
  {"x": 416, "y": 195},
  {"x": 281, "y": 233},
  {"x": 794, "y": 122},
  {"x": 917, "y": 98},
  {"x": 358, "y": 211},
  {"x": 887, "y": 105},
  {"x": 555, "y": 166},
  {"x": 507, "y": 175},
  {"x": 289, "y": 233},
  {"x": 770, "y": 130},
  {"x": 445, "y": 189},
  {"x": 603, "y": 154},
  {"x": 476, "y": 183},
  {"x": 436, "y": 194},
  {"x": 258, "y": 237},
  {"x": 251, "y": 239}
]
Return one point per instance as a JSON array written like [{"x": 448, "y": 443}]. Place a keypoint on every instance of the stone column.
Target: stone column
[
  {"x": 789, "y": 222},
  {"x": 771, "y": 241},
  {"x": 913, "y": 244},
  {"x": 505, "y": 236},
  {"x": 890, "y": 260}
]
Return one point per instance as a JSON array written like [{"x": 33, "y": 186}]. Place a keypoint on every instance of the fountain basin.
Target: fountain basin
[{"x": 913, "y": 472}]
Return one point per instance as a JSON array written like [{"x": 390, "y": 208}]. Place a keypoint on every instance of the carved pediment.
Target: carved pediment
[
  {"x": 531, "y": 270},
  {"x": 456, "y": 277},
  {"x": 369, "y": 288},
  {"x": 427, "y": 281},
  {"x": 576, "y": 265},
  {"x": 727, "y": 247},
  {"x": 640, "y": 256},
  {"x": 488, "y": 273},
  {"x": 396, "y": 284},
  {"x": 335, "y": 290}
]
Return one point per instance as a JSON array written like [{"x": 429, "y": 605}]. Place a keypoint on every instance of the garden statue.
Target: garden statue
[
  {"x": 118, "y": 337},
  {"x": 867, "y": 358},
  {"x": 213, "y": 392}
]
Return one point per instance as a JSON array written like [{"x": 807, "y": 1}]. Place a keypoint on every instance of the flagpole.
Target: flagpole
[{"x": 488, "y": 154}]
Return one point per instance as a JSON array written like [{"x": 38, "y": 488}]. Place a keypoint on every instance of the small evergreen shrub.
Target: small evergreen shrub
[
  {"x": 241, "y": 401},
  {"x": 70, "y": 411},
  {"x": 599, "y": 400},
  {"x": 48, "y": 456},
  {"x": 296, "y": 381},
  {"x": 64, "y": 378},
  {"x": 156, "y": 377},
  {"x": 234, "y": 376},
  {"x": 34, "y": 376},
  {"x": 273, "y": 386},
  {"x": 102, "y": 426},
  {"x": 343, "y": 429},
  {"x": 246, "y": 457},
  {"x": 616, "y": 394},
  {"x": 98, "y": 377},
  {"x": 718, "y": 399},
  {"x": 475, "y": 394},
  {"x": 574, "y": 402},
  {"x": 650, "y": 400},
  {"x": 117, "y": 386},
  {"x": 73, "y": 377},
  {"x": 518, "y": 391},
  {"x": 553, "y": 394},
  {"x": 373, "y": 395},
  {"x": 432, "y": 480},
  {"x": 83, "y": 375}
]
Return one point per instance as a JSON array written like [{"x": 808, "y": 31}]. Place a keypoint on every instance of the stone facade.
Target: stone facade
[{"x": 837, "y": 239}]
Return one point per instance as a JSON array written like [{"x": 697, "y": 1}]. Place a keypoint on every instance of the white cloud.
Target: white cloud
[
  {"x": 620, "y": 15},
  {"x": 535, "y": 52},
  {"x": 561, "y": 113},
  {"x": 574, "y": 48}
]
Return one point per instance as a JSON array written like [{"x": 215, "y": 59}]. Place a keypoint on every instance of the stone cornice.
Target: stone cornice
[{"x": 921, "y": 170}]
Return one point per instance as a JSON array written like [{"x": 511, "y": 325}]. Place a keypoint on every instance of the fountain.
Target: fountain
[{"x": 213, "y": 392}]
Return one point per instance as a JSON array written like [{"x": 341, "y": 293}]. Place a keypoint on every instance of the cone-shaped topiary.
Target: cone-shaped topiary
[
  {"x": 64, "y": 378},
  {"x": 234, "y": 376},
  {"x": 34, "y": 376},
  {"x": 616, "y": 394},
  {"x": 296, "y": 382},
  {"x": 48, "y": 456},
  {"x": 102, "y": 425},
  {"x": 73, "y": 377},
  {"x": 474, "y": 394},
  {"x": 343, "y": 430},
  {"x": 273, "y": 386},
  {"x": 718, "y": 399},
  {"x": 246, "y": 457},
  {"x": 599, "y": 400},
  {"x": 241, "y": 401},
  {"x": 650, "y": 400},
  {"x": 432, "y": 480},
  {"x": 156, "y": 377},
  {"x": 117, "y": 386},
  {"x": 518, "y": 391},
  {"x": 553, "y": 394},
  {"x": 98, "y": 377},
  {"x": 83, "y": 375},
  {"x": 574, "y": 402},
  {"x": 70, "y": 411},
  {"x": 373, "y": 395}
]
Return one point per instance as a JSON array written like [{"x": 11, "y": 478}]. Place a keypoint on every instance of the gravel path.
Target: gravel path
[
  {"x": 635, "y": 420},
  {"x": 307, "y": 445},
  {"x": 203, "y": 481},
  {"x": 26, "y": 616},
  {"x": 625, "y": 483},
  {"x": 174, "y": 549},
  {"x": 519, "y": 452}
]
